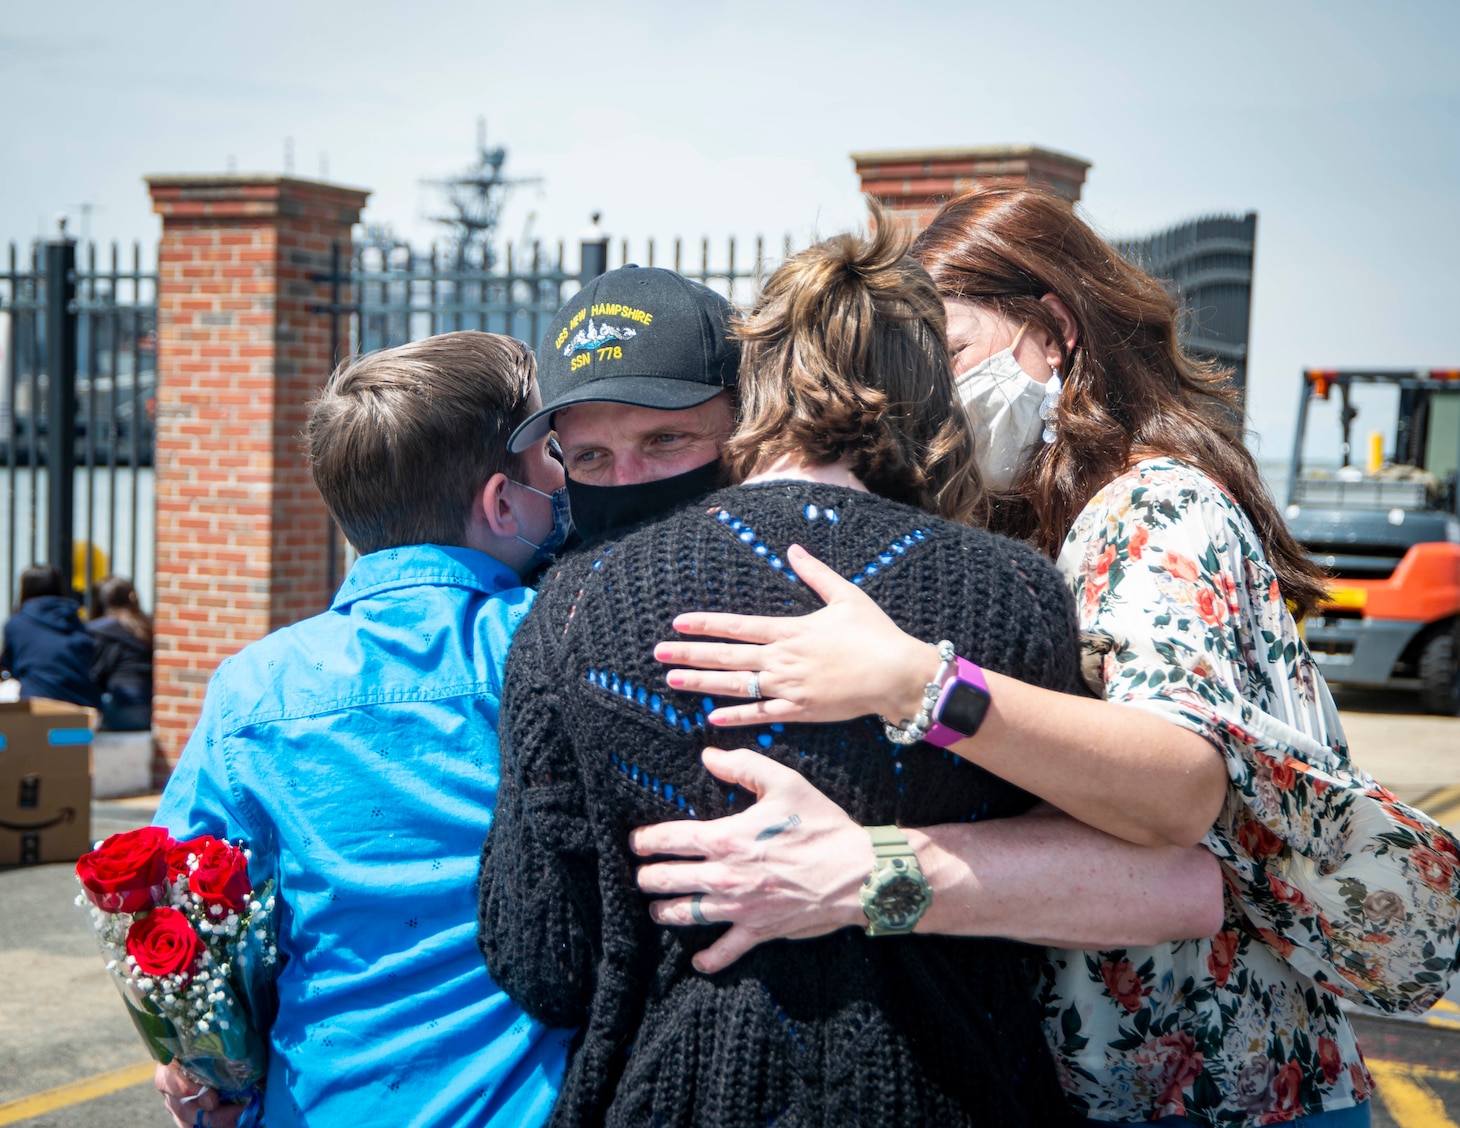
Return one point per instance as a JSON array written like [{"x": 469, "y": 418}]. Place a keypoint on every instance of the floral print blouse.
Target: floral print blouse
[{"x": 1333, "y": 887}]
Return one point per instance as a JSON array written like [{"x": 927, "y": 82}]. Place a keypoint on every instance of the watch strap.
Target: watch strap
[
  {"x": 889, "y": 842},
  {"x": 940, "y": 735}
]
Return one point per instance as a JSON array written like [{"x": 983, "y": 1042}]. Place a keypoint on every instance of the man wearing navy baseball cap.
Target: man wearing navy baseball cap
[{"x": 636, "y": 373}]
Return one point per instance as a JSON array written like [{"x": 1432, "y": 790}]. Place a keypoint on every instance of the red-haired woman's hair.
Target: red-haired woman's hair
[{"x": 1130, "y": 391}]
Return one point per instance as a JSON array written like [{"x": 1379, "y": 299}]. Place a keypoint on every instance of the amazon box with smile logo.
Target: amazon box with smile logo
[{"x": 45, "y": 781}]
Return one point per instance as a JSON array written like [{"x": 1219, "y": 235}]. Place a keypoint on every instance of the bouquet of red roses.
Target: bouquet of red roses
[{"x": 190, "y": 944}]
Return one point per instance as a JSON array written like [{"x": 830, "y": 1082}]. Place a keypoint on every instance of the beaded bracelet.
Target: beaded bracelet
[{"x": 910, "y": 732}]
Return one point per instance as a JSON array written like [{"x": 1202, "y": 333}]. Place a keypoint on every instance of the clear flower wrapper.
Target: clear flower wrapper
[{"x": 190, "y": 943}]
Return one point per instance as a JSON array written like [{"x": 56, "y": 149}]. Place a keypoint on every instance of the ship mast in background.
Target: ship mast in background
[{"x": 473, "y": 204}]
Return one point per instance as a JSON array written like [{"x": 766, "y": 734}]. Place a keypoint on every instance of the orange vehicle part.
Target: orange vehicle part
[{"x": 1424, "y": 588}]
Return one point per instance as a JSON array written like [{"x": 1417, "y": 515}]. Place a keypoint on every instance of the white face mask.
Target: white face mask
[{"x": 1009, "y": 411}]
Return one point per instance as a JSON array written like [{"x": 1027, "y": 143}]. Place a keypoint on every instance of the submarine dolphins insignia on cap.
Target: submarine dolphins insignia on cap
[{"x": 591, "y": 336}]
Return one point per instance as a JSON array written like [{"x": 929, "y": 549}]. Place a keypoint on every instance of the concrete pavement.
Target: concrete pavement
[
  {"x": 1410, "y": 753},
  {"x": 60, "y": 1017}
]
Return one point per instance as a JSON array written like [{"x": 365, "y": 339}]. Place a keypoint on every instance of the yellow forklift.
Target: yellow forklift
[{"x": 1387, "y": 530}]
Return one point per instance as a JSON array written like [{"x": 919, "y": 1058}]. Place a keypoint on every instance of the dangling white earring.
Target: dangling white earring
[{"x": 1048, "y": 407}]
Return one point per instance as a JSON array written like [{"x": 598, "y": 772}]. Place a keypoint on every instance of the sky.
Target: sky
[{"x": 1337, "y": 122}]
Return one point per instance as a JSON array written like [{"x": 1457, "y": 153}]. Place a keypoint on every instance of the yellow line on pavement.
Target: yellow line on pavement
[
  {"x": 87, "y": 1089},
  {"x": 1444, "y": 1014},
  {"x": 1437, "y": 796},
  {"x": 1441, "y": 804},
  {"x": 1410, "y": 1101}
]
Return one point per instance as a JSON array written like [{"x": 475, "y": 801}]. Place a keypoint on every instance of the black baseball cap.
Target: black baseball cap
[{"x": 641, "y": 336}]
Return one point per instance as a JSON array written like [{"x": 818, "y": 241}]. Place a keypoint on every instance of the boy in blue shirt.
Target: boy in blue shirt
[{"x": 356, "y": 753}]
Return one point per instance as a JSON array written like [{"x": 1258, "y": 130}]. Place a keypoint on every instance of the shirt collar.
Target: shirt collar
[{"x": 416, "y": 564}]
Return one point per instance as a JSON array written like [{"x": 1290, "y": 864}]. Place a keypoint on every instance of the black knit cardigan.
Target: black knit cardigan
[{"x": 841, "y": 1030}]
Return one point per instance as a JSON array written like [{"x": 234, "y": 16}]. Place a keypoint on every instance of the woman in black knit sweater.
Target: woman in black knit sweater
[{"x": 854, "y": 447}]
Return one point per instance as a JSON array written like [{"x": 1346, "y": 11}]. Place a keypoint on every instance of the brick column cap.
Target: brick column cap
[
  {"x": 916, "y": 182},
  {"x": 250, "y": 195},
  {"x": 922, "y": 162}
]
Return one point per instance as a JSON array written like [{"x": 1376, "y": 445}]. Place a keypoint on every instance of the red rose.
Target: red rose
[
  {"x": 163, "y": 943},
  {"x": 1206, "y": 606},
  {"x": 1286, "y": 1086},
  {"x": 177, "y": 854},
  {"x": 1138, "y": 541},
  {"x": 1257, "y": 840},
  {"x": 1224, "y": 950},
  {"x": 1182, "y": 567},
  {"x": 1329, "y": 1059},
  {"x": 1169, "y": 1064},
  {"x": 221, "y": 877},
  {"x": 119, "y": 876},
  {"x": 1359, "y": 1077},
  {"x": 1435, "y": 870},
  {"x": 1279, "y": 944},
  {"x": 1289, "y": 895},
  {"x": 1399, "y": 816},
  {"x": 1284, "y": 774},
  {"x": 1444, "y": 844},
  {"x": 1124, "y": 984},
  {"x": 1363, "y": 978},
  {"x": 1188, "y": 1063}
]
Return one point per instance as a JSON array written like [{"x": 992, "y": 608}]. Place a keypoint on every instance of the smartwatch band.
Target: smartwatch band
[{"x": 965, "y": 673}]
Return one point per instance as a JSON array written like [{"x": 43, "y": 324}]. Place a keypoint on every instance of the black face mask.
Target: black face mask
[{"x": 599, "y": 510}]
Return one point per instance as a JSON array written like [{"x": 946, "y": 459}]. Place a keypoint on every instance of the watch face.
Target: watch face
[
  {"x": 898, "y": 900},
  {"x": 964, "y": 708}
]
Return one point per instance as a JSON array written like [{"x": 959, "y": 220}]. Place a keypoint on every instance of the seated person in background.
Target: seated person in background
[
  {"x": 851, "y": 443},
  {"x": 122, "y": 669},
  {"x": 46, "y": 648},
  {"x": 356, "y": 752}
]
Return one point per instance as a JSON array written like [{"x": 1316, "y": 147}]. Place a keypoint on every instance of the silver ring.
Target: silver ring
[
  {"x": 695, "y": 911},
  {"x": 752, "y": 687}
]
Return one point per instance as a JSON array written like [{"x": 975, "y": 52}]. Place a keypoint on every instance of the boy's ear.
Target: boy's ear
[{"x": 494, "y": 507}]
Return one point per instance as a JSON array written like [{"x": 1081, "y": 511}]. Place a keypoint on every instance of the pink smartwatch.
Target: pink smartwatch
[{"x": 961, "y": 706}]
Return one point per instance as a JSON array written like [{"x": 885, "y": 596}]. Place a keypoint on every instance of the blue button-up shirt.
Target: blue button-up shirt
[{"x": 356, "y": 752}]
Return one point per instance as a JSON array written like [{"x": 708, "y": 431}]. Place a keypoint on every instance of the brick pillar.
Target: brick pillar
[
  {"x": 914, "y": 184},
  {"x": 242, "y": 534}
]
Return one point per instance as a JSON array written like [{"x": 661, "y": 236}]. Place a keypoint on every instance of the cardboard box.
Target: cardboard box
[{"x": 45, "y": 781}]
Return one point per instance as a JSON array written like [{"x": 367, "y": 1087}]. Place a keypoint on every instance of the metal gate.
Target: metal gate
[
  {"x": 387, "y": 294},
  {"x": 78, "y": 378}
]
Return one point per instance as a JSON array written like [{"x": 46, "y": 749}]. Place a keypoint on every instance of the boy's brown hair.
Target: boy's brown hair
[{"x": 401, "y": 440}]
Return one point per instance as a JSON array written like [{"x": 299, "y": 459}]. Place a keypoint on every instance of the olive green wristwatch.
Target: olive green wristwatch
[{"x": 896, "y": 894}]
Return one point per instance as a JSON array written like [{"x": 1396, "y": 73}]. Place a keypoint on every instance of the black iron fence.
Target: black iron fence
[
  {"x": 401, "y": 295},
  {"x": 394, "y": 294},
  {"x": 1207, "y": 264},
  {"x": 78, "y": 374}
]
